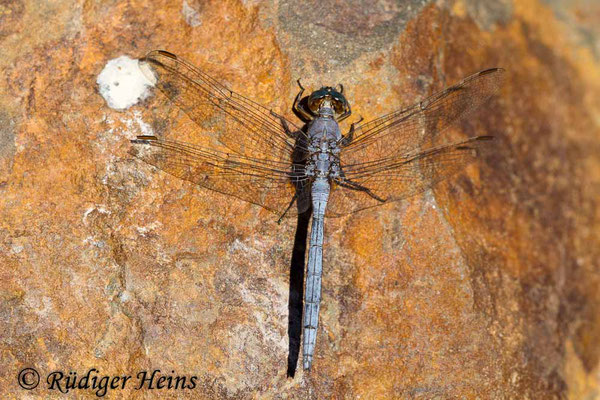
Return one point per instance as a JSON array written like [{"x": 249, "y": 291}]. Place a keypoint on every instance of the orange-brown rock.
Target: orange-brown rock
[{"x": 485, "y": 287}]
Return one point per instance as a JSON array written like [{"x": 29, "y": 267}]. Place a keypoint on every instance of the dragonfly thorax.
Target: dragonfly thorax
[{"x": 323, "y": 148}]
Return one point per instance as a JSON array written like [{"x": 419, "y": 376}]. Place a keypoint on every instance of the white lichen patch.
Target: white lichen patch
[
  {"x": 101, "y": 209},
  {"x": 123, "y": 82},
  {"x": 192, "y": 17},
  {"x": 143, "y": 230},
  {"x": 136, "y": 125}
]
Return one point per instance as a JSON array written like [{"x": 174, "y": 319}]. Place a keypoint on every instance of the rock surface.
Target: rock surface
[{"x": 484, "y": 287}]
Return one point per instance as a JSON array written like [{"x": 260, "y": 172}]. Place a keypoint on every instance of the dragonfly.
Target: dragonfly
[{"x": 263, "y": 158}]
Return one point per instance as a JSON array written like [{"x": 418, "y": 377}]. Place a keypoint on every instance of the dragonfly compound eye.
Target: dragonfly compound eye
[
  {"x": 336, "y": 99},
  {"x": 340, "y": 104}
]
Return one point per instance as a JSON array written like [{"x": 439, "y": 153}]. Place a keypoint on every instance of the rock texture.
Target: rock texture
[{"x": 485, "y": 287}]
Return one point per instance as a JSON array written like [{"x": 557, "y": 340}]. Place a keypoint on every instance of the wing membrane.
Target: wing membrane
[
  {"x": 411, "y": 129},
  {"x": 242, "y": 125},
  {"x": 270, "y": 184},
  {"x": 399, "y": 177}
]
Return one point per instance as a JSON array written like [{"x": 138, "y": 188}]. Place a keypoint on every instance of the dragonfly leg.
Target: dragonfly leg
[
  {"x": 299, "y": 95},
  {"x": 286, "y": 128},
  {"x": 304, "y": 115},
  {"x": 347, "y": 139},
  {"x": 298, "y": 108},
  {"x": 347, "y": 111},
  {"x": 344, "y": 116},
  {"x": 288, "y": 207},
  {"x": 355, "y": 186}
]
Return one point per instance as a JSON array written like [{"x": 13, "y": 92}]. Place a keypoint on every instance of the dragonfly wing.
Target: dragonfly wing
[
  {"x": 242, "y": 125},
  {"x": 423, "y": 124},
  {"x": 268, "y": 183},
  {"x": 398, "y": 177}
]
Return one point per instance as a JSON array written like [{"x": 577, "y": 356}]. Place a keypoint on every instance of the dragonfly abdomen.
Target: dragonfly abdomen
[{"x": 312, "y": 298}]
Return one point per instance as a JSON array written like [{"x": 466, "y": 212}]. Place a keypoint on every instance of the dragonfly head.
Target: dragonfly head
[{"x": 328, "y": 101}]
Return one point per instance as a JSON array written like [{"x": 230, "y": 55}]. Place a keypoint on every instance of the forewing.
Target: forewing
[
  {"x": 423, "y": 124},
  {"x": 398, "y": 177},
  {"x": 245, "y": 127},
  {"x": 268, "y": 183}
]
